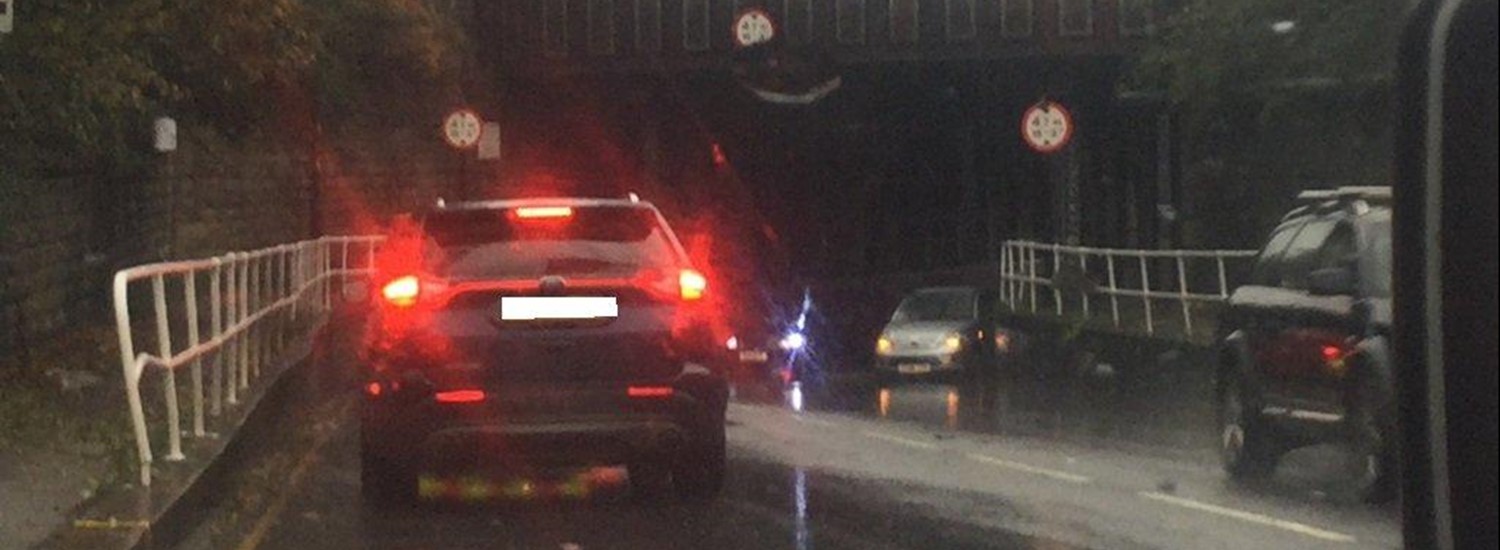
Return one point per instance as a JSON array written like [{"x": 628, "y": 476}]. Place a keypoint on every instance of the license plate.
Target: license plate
[
  {"x": 754, "y": 356},
  {"x": 544, "y": 308},
  {"x": 914, "y": 368}
]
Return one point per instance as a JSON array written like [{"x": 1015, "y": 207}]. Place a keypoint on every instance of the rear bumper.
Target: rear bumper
[
  {"x": 932, "y": 363},
  {"x": 513, "y": 430}
]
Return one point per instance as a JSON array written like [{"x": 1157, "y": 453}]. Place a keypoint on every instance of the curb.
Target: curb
[{"x": 178, "y": 499}]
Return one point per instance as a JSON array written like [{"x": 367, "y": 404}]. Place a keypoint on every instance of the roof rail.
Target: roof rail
[{"x": 1379, "y": 194}]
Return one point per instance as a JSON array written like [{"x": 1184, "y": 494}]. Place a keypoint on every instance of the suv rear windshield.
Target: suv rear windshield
[
  {"x": 591, "y": 241},
  {"x": 942, "y": 305}
]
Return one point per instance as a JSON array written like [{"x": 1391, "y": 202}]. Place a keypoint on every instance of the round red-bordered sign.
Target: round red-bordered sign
[
  {"x": 752, "y": 26},
  {"x": 462, "y": 129},
  {"x": 1047, "y": 127}
]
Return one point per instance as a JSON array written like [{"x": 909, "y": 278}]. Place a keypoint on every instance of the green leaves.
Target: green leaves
[{"x": 80, "y": 79}]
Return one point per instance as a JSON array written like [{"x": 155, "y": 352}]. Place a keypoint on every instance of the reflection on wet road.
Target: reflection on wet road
[{"x": 854, "y": 464}]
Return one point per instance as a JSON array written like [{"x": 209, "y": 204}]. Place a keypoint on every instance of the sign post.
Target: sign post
[
  {"x": 1047, "y": 128},
  {"x": 7, "y": 16},
  {"x": 462, "y": 129}
]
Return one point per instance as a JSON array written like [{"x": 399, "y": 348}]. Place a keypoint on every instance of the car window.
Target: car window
[
  {"x": 1302, "y": 255},
  {"x": 1338, "y": 250},
  {"x": 597, "y": 242},
  {"x": 955, "y": 305},
  {"x": 1268, "y": 263}
]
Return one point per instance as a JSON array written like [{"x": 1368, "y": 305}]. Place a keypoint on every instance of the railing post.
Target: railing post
[
  {"x": 1223, "y": 282},
  {"x": 1182, "y": 292},
  {"x": 132, "y": 373},
  {"x": 242, "y": 320},
  {"x": 1114, "y": 299},
  {"x": 1052, "y": 280},
  {"x": 1083, "y": 266},
  {"x": 231, "y": 322},
  {"x": 216, "y": 325},
  {"x": 1004, "y": 273},
  {"x": 1031, "y": 263},
  {"x": 195, "y": 371},
  {"x": 1146, "y": 294},
  {"x": 169, "y": 386}
]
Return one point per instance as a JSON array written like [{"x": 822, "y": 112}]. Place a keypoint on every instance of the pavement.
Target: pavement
[{"x": 912, "y": 465}]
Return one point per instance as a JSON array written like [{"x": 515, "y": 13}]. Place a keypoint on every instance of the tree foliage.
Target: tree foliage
[{"x": 80, "y": 79}]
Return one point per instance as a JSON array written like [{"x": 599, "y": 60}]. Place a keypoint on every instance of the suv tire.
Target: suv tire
[
  {"x": 1246, "y": 445},
  {"x": 386, "y": 484},
  {"x": 698, "y": 473},
  {"x": 1372, "y": 456}
]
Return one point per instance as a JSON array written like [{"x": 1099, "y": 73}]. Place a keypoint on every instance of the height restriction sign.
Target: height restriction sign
[
  {"x": 461, "y": 129},
  {"x": 1047, "y": 127}
]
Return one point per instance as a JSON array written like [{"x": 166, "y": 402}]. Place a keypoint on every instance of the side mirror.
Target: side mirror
[{"x": 1332, "y": 281}]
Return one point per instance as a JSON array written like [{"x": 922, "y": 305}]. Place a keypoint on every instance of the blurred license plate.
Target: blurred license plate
[
  {"x": 754, "y": 356},
  {"x": 537, "y": 308},
  {"x": 914, "y": 368}
]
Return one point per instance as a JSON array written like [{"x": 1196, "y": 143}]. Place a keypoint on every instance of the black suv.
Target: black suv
[
  {"x": 528, "y": 334},
  {"x": 1304, "y": 352}
]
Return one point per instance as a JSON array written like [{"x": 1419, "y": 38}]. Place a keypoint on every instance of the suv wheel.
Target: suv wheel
[
  {"x": 698, "y": 473},
  {"x": 1371, "y": 457},
  {"x": 384, "y": 483},
  {"x": 1245, "y": 444}
]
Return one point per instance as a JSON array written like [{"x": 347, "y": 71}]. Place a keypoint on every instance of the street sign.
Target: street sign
[
  {"x": 462, "y": 129},
  {"x": 7, "y": 16},
  {"x": 1047, "y": 127},
  {"x": 489, "y": 141},
  {"x": 753, "y": 26}
]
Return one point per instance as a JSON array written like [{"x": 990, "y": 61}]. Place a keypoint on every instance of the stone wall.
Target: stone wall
[{"x": 63, "y": 237}]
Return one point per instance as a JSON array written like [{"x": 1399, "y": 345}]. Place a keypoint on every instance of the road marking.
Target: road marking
[
  {"x": 814, "y": 421},
  {"x": 902, "y": 440},
  {"x": 1027, "y": 468},
  {"x": 1251, "y": 517},
  {"x": 263, "y": 525}
]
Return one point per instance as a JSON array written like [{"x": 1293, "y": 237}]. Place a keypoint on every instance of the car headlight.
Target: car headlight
[
  {"x": 953, "y": 342},
  {"x": 793, "y": 341},
  {"x": 883, "y": 345}
]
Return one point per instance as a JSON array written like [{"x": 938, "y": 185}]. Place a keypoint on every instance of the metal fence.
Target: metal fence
[
  {"x": 1075, "y": 275},
  {"x": 233, "y": 314}
]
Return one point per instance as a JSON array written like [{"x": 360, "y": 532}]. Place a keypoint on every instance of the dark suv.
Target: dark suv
[
  {"x": 1304, "y": 353},
  {"x": 528, "y": 334}
]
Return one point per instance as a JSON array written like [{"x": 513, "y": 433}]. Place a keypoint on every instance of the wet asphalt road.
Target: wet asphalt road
[{"x": 922, "y": 465}]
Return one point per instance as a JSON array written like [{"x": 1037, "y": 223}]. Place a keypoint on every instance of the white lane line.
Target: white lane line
[
  {"x": 1027, "y": 468},
  {"x": 1251, "y": 517},
  {"x": 902, "y": 440},
  {"x": 814, "y": 421}
]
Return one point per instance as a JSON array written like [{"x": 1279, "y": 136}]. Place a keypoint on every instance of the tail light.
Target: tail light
[
  {"x": 459, "y": 396},
  {"x": 543, "y": 212},
  {"x": 402, "y": 291},
  {"x": 692, "y": 285},
  {"x": 649, "y": 392}
]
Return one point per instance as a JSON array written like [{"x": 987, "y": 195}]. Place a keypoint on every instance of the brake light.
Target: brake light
[
  {"x": 649, "y": 392},
  {"x": 402, "y": 291},
  {"x": 1332, "y": 353},
  {"x": 459, "y": 396},
  {"x": 692, "y": 283},
  {"x": 543, "y": 212}
]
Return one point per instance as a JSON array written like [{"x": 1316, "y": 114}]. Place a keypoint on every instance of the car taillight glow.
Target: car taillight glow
[
  {"x": 459, "y": 396},
  {"x": 649, "y": 392},
  {"x": 543, "y": 212},
  {"x": 402, "y": 291},
  {"x": 373, "y": 389},
  {"x": 692, "y": 283}
]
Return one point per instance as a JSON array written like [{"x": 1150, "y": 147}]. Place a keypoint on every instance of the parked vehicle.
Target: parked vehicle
[{"x": 1304, "y": 353}]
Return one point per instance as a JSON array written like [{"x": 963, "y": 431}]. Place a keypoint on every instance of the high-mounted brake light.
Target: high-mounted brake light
[
  {"x": 649, "y": 391},
  {"x": 692, "y": 283},
  {"x": 402, "y": 291},
  {"x": 543, "y": 212},
  {"x": 459, "y": 396}
]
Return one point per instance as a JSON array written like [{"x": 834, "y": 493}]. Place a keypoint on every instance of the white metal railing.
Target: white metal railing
[
  {"x": 1116, "y": 273},
  {"x": 253, "y": 301}
]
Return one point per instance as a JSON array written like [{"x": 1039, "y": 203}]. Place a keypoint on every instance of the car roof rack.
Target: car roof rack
[{"x": 1356, "y": 199}]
